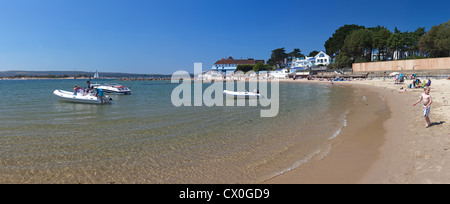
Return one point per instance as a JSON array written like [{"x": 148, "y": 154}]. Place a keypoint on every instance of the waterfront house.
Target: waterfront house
[
  {"x": 320, "y": 59},
  {"x": 303, "y": 62},
  {"x": 230, "y": 64}
]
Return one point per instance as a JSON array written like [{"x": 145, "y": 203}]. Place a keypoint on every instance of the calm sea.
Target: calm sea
[{"x": 143, "y": 138}]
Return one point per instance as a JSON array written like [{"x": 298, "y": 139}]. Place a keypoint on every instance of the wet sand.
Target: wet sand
[
  {"x": 386, "y": 141},
  {"x": 353, "y": 151}
]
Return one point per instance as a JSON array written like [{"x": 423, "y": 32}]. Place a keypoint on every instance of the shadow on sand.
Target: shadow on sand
[{"x": 437, "y": 123}]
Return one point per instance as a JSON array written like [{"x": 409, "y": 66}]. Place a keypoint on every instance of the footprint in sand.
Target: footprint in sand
[{"x": 417, "y": 154}]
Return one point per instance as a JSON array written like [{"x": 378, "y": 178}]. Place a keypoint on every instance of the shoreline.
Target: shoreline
[
  {"x": 353, "y": 150},
  {"x": 392, "y": 157}
]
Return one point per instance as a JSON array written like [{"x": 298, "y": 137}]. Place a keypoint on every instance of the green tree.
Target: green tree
[
  {"x": 271, "y": 62},
  {"x": 277, "y": 57},
  {"x": 405, "y": 41},
  {"x": 336, "y": 41},
  {"x": 443, "y": 39},
  {"x": 414, "y": 40},
  {"x": 359, "y": 45},
  {"x": 411, "y": 41},
  {"x": 245, "y": 67},
  {"x": 396, "y": 42},
  {"x": 313, "y": 53},
  {"x": 342, "y": 60},
  {"x": 296, "y": 53},
  {"x": 380, "y": 41},
  {"x": 259, "y": 67},
  {"x": 268, "y": 67},
  {"x": 427, "y": 43},
  {"x": 436, "y": 42}
]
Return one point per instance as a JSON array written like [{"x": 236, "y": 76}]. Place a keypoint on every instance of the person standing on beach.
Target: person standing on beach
[{"x": 427, "y": 101}]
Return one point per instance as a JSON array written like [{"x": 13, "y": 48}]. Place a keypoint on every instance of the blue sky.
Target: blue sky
[{"x": 161, "y": 37}]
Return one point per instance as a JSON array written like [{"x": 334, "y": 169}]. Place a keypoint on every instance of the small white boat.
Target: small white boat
[
  {"x": 80, "y": 98},
  {"x": 242, "y": 95},
  {"x": 114, "y": 89}
]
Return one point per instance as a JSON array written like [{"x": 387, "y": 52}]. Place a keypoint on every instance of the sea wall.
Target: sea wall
[{"x": 404, "y": 65}]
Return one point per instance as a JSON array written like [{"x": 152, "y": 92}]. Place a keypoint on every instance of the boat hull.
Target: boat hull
[
  {"x": 242, "y": 95},
  {"x": 119, "y": 90},
  {"x": 116, "y": 92},
  {"x": 89, "y": 99}
]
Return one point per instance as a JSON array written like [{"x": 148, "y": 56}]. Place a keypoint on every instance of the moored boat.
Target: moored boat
[
  {"x": 114, "y": 89},
  {"x": 80, "y": 98},
  {"x": 242, "y": 95}
]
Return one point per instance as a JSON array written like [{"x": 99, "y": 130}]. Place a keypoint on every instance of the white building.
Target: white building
[
  {"x": 279, "y": 74},
  {"x": 320, "y": 59},
  {"x": 303, "y": 62}
]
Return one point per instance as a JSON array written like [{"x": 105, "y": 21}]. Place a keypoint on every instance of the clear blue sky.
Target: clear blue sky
[{"x": 155, "y": 36}]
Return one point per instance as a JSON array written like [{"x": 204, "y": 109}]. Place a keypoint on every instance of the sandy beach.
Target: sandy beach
[{"x": 386, "y": 141}]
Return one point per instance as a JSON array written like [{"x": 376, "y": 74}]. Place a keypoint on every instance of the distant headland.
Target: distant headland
[{"x": 74, "y": 75}]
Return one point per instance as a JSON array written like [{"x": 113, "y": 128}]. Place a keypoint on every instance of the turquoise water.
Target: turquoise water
[{"x": 143, "y": 138}]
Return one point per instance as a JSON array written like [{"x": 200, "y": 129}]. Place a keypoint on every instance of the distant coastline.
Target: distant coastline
[
  {"x": 26, "y": 75},
  {"x": 43, "y": 78},
  {"x": 86, "y": 78}
]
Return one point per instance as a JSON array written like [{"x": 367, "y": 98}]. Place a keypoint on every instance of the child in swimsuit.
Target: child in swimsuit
[
  {"x": 427, "y": 101},
  {"x": 100, "y": 94}
]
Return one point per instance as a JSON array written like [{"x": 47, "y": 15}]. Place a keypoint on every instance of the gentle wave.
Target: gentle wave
[
  {"x": 343, "y": 126},
  {"x": 296, "y": 165},
  {"x": 323, "y": 153}
]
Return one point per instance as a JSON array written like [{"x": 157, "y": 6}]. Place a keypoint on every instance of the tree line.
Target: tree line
[
  {"x": 279, "y": 56},
  {"x": 353, "y": 43}
]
